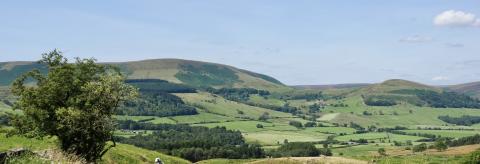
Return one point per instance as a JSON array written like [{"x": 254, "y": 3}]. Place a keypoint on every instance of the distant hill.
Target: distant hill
[
  {"x": 193, "y": 73},
  {"x": 397, "y": 91},
  {"x": 332, "y": 86},
  {"x": 396, "y": 84},
  {"x": 471, "y": 89}
]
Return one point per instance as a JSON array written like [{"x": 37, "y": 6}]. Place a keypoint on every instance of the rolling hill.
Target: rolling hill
[
  {"x": 333, "y": 86},
  {"x": 471, "y": 89},
  {"x": 192, "y": 73}
]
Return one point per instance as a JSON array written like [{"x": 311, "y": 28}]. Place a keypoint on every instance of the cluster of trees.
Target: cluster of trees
[
  {"x": 192, "y": 143},
  {"x": 306, "y": 96},
  {"x": 156, "y": 104},
  {"x": 470, "y": 140},
  {"x": 296, "y": 124},
  {"x": 420, "y": 147},
  {"x": 285, "y": 108},
  {"x": 237, "y": 94},
  {"x": 299, "y": 149},
  {"x": 464, "y": 120},
  {"x": 378, "y": 100},
  {"x": 314, "y": 108},
  {"x": 356, "y": 126},
  {"x": 444, "y": 99},
  {"x": 447, "y": 99},
  {"x": 156, "y": 99}
]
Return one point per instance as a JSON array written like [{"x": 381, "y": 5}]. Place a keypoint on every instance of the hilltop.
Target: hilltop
[
  {"x": 192, "y": 73},
  {"x": 333, "y": 86}
]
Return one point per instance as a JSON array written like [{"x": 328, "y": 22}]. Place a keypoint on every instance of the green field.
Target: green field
[
  {"x": 271, "y": 137},
  {"x": 376, "y": 136},
  {"x": 330, "y": 130},
  {"x": 392, "y": 116},
  {"x": 221, "y": 106}
]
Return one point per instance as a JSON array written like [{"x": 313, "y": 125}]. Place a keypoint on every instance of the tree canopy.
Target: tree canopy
[{"x": 72, "y": 101}]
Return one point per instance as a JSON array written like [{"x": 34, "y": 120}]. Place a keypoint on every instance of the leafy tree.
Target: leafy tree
[
  {"x": 73, "y": 101},
  {"x": 440, "y": 145},
  {"x": 264, "y": 117}
]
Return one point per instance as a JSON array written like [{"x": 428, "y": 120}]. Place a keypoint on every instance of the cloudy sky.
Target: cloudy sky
[{"x": 297, "y": 41}]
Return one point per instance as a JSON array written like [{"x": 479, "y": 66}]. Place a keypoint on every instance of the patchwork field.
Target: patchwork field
[{"x": 220, "y": 106}]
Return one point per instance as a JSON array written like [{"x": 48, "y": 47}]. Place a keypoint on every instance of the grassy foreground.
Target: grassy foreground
[{"x": 122, "y": 153}]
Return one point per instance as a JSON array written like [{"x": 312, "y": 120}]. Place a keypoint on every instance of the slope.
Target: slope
[{"x": 193, "y": 73}]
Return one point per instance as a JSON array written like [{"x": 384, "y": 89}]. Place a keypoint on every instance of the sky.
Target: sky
[{"x": 299, "y": 42}]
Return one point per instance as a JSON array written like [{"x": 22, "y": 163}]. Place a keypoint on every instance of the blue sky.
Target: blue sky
[{"x": 298, "y": 42}]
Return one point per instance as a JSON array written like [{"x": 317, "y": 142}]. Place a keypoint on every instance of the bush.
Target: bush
[
  {"x": 310, "y": 124},
  {"x": 419, "y": 148},
  {"x": 295, "y": 124}
]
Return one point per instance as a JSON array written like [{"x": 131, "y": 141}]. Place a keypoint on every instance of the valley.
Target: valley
[{"x": 351, "y": 122}]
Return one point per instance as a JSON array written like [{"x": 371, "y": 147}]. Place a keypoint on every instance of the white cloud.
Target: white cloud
[
  {"x": 416, "y": 39},
  {"x": 439, "y": 78},
  {"x": 454, "y": 18}
]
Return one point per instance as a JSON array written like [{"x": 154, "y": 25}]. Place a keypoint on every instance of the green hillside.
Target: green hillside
[
  {"x": 199, "y": 74},
  {"x": 192, "y": 73}
]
